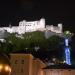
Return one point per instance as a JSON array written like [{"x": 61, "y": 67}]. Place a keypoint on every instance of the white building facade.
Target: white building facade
[{"x": 30, "y": 26}]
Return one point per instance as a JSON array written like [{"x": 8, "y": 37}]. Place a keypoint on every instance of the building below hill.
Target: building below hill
[
  {"x": 59, "y": 70},
  {"x": 26, "y": 64},
  {"x": 30, "y": 26}
]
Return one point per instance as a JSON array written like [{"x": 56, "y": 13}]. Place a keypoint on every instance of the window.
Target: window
[
  {"x": 21, "y": 70},
  {"x": 16, "y": 61},
  {"x": 22, "y": 61},
  {"x": 61, "y": 70},
  {"x": 69, "y": 70}
]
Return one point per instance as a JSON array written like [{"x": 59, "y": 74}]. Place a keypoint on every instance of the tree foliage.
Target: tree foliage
[
  {"x": 54, "y": 42},
  {"x": 28, "y": 41}
]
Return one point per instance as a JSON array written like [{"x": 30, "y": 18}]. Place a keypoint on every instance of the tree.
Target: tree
[
  {"x": 54, "y": 42},
  {"x": 29, "y": 41}
]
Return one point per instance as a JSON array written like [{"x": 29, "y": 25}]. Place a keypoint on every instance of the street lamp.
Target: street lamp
[
  {"x": 5, "y": 69},
  {"x": 36, "y": 48},
  {"x": 1, "y": 67}
]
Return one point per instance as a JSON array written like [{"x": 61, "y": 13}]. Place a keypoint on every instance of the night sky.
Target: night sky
[
  {"x": 59, "y": 11},
  {"x": 11, "y": 11}
]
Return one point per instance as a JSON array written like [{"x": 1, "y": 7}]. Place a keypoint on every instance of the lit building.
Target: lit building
[
  {"x": 67, "y": 52},
  {"x": 26, "y": 64},
  {"x": 59, "y": 70},
  {"x": 30, "y": 26},
  {"x": 67, "y": 47}
]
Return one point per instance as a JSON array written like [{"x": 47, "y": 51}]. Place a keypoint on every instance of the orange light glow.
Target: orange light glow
[
  {"x": 6, "y": 68},
  {"x": 1, "y": 67}
]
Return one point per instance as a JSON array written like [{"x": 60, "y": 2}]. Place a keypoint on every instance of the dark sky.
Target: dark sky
[{"x": 59, "y": 11}]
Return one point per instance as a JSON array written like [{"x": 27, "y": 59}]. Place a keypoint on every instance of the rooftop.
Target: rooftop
[{"x": 61, "y": 66}]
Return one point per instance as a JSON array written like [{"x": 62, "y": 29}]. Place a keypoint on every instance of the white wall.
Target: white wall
[{"x": 25, "y": 26}]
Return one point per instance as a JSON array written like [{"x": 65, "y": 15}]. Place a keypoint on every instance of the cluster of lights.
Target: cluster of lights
[
  {"x": 67, "y": 52},
  {"x": 5, "y": 68},
  {"x": 68, "y": 34},
  {"x": 66, "y": 42}
]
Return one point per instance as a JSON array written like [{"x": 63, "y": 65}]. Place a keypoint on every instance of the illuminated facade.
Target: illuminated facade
[
  {"x": 26, "y": 64},
  {"x": 60, "y": 70},
  {"x": 30, "y": 26},
  {"x": 67, "y": 37},
  {"x": 67, "y": 52}
]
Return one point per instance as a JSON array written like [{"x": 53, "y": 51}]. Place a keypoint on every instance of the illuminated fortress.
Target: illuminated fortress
[{"x": 30, "y": 26}]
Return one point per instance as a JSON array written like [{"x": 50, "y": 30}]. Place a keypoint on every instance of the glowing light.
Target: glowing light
[
  {"x": 67, "y": 52},
  {"x": 9, "y": 69},
  {"x": 64, "y": 61},
  {"x": 66, "y": 42},
  {"x": 6, "y": 68},
  {"x": 54, "y": 59},
  {"x": 1, "y": 67},
  {"x": 67, "y": 32}
]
